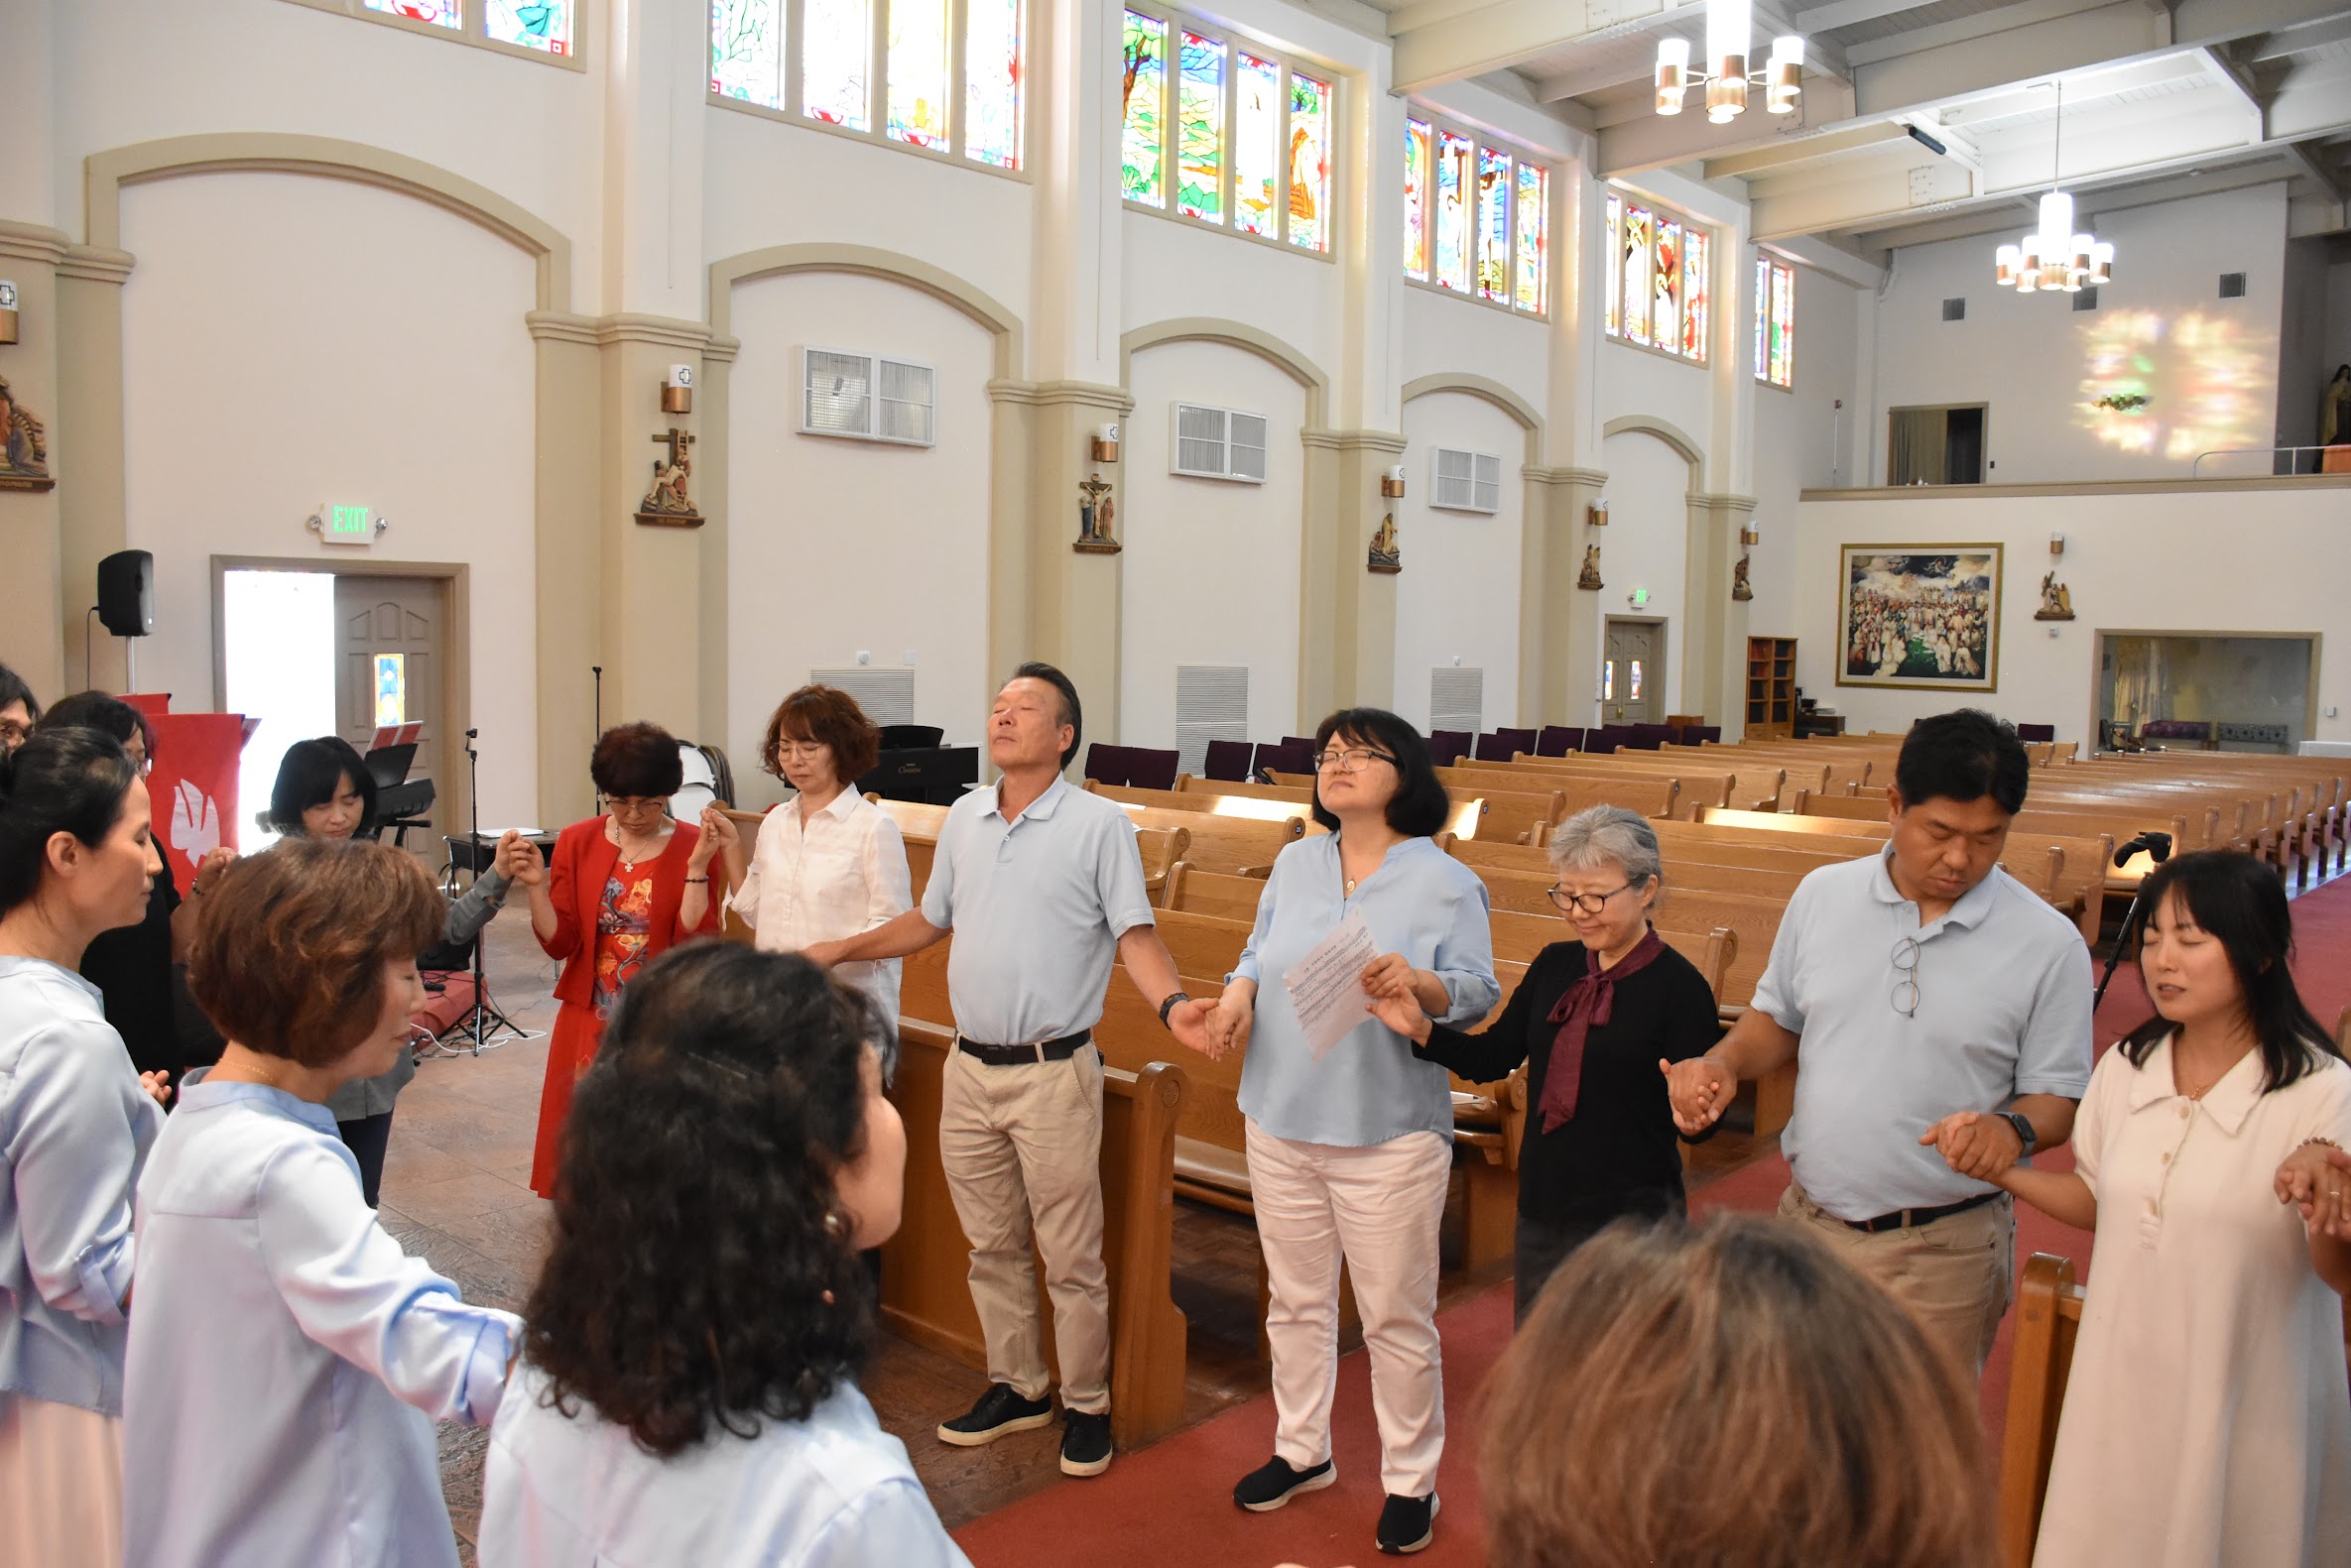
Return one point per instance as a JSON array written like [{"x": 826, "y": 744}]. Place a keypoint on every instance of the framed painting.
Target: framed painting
[{"x": 1920, "y": 616}]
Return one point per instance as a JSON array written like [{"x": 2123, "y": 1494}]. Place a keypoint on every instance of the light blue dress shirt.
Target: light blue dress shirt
[
  {"x": 835, "y": 1491},
  {"x": 1371, "y": 1088},
  {"x": 1037, "y": 907},
  {"x": 75, "y": 1126},
  {"x": 288, "y": 1359},
  {"x": 2003, "y": 1010}
]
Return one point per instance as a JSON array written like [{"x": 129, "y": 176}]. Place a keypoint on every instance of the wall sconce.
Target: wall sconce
[
  {"x": 1105, "y": 443},
  {"x": 1750, "y": 534},
  {"x": 677, "y": 390},
  {"x": 1596, "y": 514},
  {"x": 1392, "y": 482},
  {"x": 2056, "y": 544},
  {"x": 7, "y": 311}
]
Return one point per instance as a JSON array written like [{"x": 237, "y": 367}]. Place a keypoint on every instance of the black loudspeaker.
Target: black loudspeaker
[{"x": 126, "y": 592}]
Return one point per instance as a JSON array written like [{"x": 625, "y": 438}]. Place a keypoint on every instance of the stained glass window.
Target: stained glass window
[
  {"x": 1142, "y": 145},
  {"x": 1532, "y": 214},
  {"x": 440, "y": 13},
  {"x": 1697, "y": 291},
  {"x": 1453, "y": 211},
  {"x": 1257, "y": 153},
  {"x": 992, "y": 82},
  {"x": 531, "y": 24},
  {"x": 1310, "y": 162},
  {"x": 747, "y": 50},
  {"x": 1640, "y": 266},
  {"x": 837, "y": 63},
  {"x": 917, "y": 72},
  {"x": 1655, "y": 285},
  {"x": 1200, "y": 129},
  {"x": 1774, "y": 322},
  {"x": 1613, "y": 285},
  {"x": 1493, "y": 224},
  {"x": 1416, "y": 200}
]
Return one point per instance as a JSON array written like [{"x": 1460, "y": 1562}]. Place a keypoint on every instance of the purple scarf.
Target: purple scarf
[{"x": 1585, "y": 1007}]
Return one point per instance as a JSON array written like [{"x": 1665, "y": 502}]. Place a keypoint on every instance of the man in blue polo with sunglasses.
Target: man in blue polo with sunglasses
[{"x": 1939, "y": 1014}]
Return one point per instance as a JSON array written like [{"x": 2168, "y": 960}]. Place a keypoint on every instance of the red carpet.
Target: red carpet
[{"x": 1173, "y": 1502}]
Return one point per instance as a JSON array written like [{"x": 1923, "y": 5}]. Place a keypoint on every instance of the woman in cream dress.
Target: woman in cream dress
[{"x": 2207, "y": 1418}]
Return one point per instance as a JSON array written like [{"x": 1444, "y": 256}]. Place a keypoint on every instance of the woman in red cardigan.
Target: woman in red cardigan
[{"x": 619, "y": 889}]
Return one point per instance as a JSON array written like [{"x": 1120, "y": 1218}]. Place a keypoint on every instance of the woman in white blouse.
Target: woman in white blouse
[
  {"x": 75, "y": 1125},
  {"x": 829, "y": 864},
  {"x": 288, "y": 1358},
  {"x": 2208, "y": 1419},
  {"x": 689, "y": 1388}
]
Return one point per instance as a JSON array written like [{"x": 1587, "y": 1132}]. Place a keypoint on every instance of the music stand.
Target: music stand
[{"x": 489, "y": 1027}]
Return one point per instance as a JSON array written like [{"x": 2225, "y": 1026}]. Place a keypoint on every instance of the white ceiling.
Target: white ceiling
[{"x": 2162, "y": 98}]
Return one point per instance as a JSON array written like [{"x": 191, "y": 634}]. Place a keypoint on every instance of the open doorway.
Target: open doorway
[
  {"x": 1633, "y": 671},
  {"x": 2235, "y": 692},
  {"x": 348, "y": 649},
  {"x": 1939, "y": 446}
]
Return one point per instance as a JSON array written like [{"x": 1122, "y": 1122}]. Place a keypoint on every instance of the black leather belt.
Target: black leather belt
[
  {"x": 1015, "y": 1055},
  {"x": 1907, "y": 1217}
]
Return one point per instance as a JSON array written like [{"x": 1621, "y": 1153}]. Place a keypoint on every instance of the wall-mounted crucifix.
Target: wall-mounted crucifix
[{"x": 667, "y": 504}]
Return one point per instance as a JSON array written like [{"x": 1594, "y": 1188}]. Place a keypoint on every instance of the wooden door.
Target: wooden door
[
  {"x": 391, "y": 661},
  {"x": 1631, "y": 673}
]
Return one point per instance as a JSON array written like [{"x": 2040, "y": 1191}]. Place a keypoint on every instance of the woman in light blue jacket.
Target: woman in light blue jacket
[{"x": 77, "y": 1121}]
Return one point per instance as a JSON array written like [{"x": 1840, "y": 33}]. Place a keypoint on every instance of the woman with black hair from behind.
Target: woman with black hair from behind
[
  {"x": 138, "y": 969},
  {"x": 2214, "y": 1320},
  {"x": 688, "y": 1392},
  {"x": 75, "y": 1126}
]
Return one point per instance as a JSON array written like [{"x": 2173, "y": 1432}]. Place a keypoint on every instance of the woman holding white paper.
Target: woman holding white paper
[{"x": 1350, "y": 1146}]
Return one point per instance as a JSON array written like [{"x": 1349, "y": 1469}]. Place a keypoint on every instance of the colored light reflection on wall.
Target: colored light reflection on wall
[{"x": 2206, "y": 384}]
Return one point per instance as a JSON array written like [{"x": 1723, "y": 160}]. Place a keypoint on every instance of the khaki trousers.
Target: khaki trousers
[
  {"x": 1956, "y": 1275},
  {"x": 1023, "y": 1147},
  {"x": 1382, "y": 1207}
]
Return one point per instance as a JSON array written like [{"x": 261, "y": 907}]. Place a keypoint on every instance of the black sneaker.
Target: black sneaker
[
  {"x": 1277, "y": 1481},
  {"x": 1086, "y": 1442},
  {"x": 1000, "y": 1411},
  {"x": 1406, "y": 1525}
]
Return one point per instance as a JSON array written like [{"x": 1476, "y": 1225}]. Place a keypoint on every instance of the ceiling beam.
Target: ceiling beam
[
  {"x": 1487, "y": 39},
  {"x": 1847, "y": 13},
  {"x": 2293, "y": 39},
  {"x": 1796, "y": 149}
]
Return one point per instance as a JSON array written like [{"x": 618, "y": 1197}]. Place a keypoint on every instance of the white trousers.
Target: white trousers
[{"x": 1381, "y": 1206}]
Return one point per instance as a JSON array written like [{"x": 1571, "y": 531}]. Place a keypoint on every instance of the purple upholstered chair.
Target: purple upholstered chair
[
  {"x": 1151, "y": 769},
  {"x": 1694, "y": 734},
  {"x": 1448, "y": 746},
  {"x": 1649, "y": 737},
  {"x": 1106, "y": 763},
  {"x": 2037, "y": 732},
  {"x": 1558, "y": 740},
  {"x": 1228, "y": 762},
  {"x": 1503, "y": 745},
  {"x": 1292, "y": 756}
]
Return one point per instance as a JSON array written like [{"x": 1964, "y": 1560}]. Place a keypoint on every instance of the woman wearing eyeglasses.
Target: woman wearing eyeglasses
[
  {"x": 829, "y": 864},
  {"x": 619, "y": 890},
  {"x": 1592, "y": 1018},
  {"x": 1350, "y": 1149}
]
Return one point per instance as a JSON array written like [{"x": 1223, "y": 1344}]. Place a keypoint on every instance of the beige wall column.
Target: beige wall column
[
  {"x": 568, "y": 593},
  {"x": 652, "y": 597},
  {"x": 1558, "y": 625},
  {"x": 1713, "y": 623},
  {"x": 713, "y": 474},
  {"x": 93, "y": 518},
  {"x": 1071, "y": 598},
  {"x": 34, "y": 591},
  {"x": 1346, "y": 612}
]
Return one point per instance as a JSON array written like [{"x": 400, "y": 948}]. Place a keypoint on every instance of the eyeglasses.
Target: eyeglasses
[
  {"x": 1352, "y": 761},
  {"x": 13, "y": 734},
  {"x": 801, "y": 751},
  {"x": 1589, "y": 903},
  {"x": 1906, "y": 966},
  {"x": 638, "y": 805}
]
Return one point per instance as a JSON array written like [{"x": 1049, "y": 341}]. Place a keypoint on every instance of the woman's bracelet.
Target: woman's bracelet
[
  {"x": 697, "y": 878},
  {"x": 2326, "y": 1142}
]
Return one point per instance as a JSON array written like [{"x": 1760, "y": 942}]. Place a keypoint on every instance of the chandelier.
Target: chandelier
[
  {"x": 2053, "y": 255},
  {"x": 1729, "y": 27}
]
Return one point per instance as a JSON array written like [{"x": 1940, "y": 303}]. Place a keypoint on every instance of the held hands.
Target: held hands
[
  {"x": 1976, "y": 1143},
  {"x": 1397, "y": 1007},
  {"x": 1194, "y": 1024},
  {"x": 1227, "y": 1022},
  {"x": 158, "y": 1086},
  {"x": 1701, "y": 1090},
  {"x": 718, "y": 833},
  {"x": 2316, "y": 1180},
  {"x": 517, "y": 860}
]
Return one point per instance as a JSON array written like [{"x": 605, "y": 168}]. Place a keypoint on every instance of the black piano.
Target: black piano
[
  {"x": 401, "y": 802},
  {"x": 914, "y": 765}
]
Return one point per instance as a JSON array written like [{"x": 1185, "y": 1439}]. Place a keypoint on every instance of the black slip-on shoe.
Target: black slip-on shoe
[
  {"x": 1406, "y": 1525},
  {"x": 1086, "y": 1443},
  {"x": 998, "y": 1413},
  {"x": 1277, "y": 1481}
]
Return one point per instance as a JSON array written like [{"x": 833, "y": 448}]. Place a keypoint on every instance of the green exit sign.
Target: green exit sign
[
  {"x": 351, "y": 523},
  {"x": 1640, "y": 595}
]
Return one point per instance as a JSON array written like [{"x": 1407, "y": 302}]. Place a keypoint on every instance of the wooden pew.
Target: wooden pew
[
  {"x": 1463, "y": 818},
  {"x": 925, "y": 1290},
  {"x": 1242, "y": 846},
  {"x": 918, "y": 825}
]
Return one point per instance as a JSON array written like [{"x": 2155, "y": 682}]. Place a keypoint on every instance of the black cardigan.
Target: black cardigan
[{"x": 1618, "y": 1155}]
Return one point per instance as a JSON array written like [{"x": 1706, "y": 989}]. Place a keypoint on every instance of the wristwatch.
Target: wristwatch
[
  {"x": 1174, "y": 998},
  {"x": 2024, "y": 1125}
]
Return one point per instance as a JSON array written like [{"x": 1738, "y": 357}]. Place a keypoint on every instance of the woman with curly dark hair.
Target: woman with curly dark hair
[
  {"x": 688, "y": 1392},
  {"x": 619, "y": 890}
]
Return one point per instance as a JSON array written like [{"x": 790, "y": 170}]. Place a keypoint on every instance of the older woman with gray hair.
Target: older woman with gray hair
[{"x": 1593, "y": 1017}]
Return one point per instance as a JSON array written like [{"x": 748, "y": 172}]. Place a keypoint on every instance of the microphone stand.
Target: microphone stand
[
  {"x": 490, "y": 1027},
  {"x": 2137, "y": 913}
]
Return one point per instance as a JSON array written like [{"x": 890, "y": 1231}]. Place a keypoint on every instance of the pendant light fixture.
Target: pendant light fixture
[
  {"x": 2055, "y": 257},
  {"x": 1730, "y": 26}
]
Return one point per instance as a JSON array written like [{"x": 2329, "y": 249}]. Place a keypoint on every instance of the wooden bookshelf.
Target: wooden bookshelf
[{"x": 1770, "y": 689}]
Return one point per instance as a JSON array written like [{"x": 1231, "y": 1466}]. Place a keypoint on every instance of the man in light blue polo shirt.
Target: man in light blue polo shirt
[
  {"x": 1938, "y": 1014},
  {"x": 1043, "y": 888}
]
